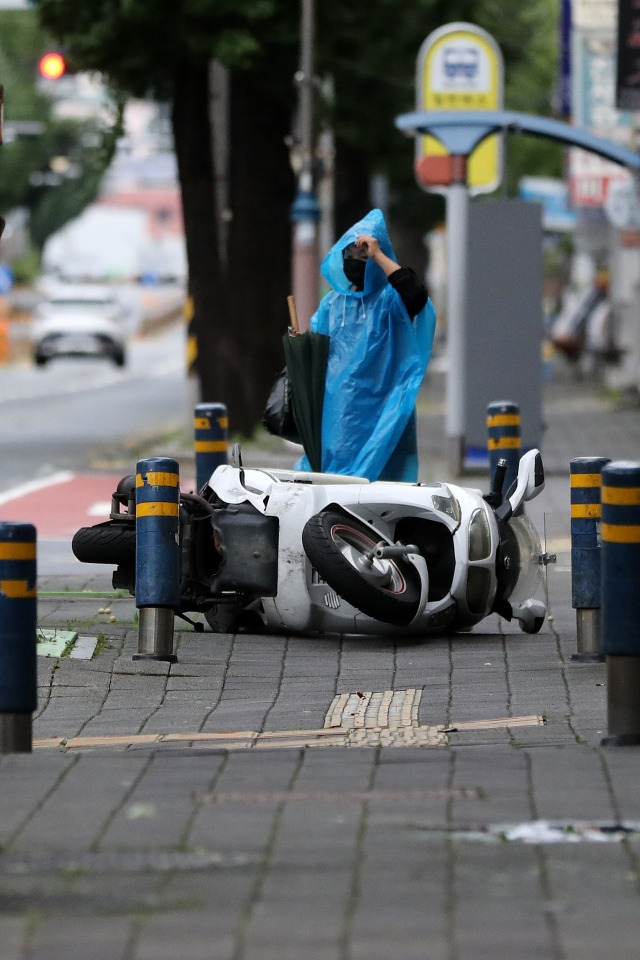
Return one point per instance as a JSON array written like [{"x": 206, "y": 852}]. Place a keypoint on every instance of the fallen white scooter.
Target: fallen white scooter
[{"x": 289, "y": 551}]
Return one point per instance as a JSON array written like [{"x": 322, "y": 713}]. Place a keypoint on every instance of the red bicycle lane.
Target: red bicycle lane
[{"x": 61, "y": 503}]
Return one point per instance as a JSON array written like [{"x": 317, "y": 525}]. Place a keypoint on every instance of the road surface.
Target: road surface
[{"x": 68, "y": 432}]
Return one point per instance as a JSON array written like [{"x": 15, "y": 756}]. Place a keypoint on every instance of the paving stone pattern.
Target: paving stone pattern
[{"x": 253, "y": 842}]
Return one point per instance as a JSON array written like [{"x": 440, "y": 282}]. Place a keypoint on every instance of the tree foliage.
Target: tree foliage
[
  {"x": 369, "y": 51},
  {"x": 142, "y": 45},
  {"x": 25, "y": 167},
  {"x": 88, "y": 149},
  {"x": 239, "y": 293}
]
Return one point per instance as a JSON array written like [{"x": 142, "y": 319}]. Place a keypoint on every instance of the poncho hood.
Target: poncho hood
[{"x": 374, "y": 278}]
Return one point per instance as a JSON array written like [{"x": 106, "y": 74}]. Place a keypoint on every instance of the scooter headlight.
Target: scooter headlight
[{"x": 479, "y": 536}]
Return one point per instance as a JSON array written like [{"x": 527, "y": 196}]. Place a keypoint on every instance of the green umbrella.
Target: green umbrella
[{"x": 306, "y": 355}]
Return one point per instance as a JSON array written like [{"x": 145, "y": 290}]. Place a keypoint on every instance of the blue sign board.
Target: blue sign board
[
  {"x": 553, "y": 194},
  {"x": 7, "y": 278}
]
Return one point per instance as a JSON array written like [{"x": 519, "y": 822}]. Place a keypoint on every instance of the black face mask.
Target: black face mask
[{"x": 354, "y": 271}]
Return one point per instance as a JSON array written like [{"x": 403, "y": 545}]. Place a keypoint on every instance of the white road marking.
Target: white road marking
[
  {"x": 99, "y": 509},
  {"x": 32, "y": 486}
]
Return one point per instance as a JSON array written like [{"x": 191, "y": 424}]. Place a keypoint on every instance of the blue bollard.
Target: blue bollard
[
  {"x": 211, "y": 426},
  {"x": 586, "y": 513},
  {"x": 503, "y": 423},
  {"x": 18, "y": 613},
  {"x": 620, "y": 599},
  {"x": 157, "y": 556}
]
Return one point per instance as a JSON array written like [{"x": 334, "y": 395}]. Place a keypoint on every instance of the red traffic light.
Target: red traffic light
[{"x": 52, "y": 66}]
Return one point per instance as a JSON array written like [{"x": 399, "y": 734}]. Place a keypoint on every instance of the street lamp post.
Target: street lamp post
[{"x": 305, "y": 211}]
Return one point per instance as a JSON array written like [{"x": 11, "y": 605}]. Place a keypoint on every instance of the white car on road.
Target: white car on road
[{"x": 79, "y": 321}]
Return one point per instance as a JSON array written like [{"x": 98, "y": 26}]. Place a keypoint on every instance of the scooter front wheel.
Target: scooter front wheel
[{"x": 338, "y": 546}]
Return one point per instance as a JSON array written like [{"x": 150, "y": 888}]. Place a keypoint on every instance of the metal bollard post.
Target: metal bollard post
[
  {"x": 620, "y": 598},
  {"x": 586, "y": 512},
  {"x": 18, "y": 605},
  {"x": 503, "y": 422},
  {"x": 157, "y": 556},
  {"x": 211, "y": 425}
]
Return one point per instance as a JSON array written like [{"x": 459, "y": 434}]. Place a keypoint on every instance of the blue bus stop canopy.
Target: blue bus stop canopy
[{"x": 460, "y": 131}]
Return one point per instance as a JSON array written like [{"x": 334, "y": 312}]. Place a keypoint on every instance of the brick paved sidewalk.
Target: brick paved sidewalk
[{"x": 343, "y": 798}]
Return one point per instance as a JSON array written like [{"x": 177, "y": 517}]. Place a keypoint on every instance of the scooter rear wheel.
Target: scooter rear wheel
[
  {"x": 107, "y": 542},
  {"x": 386, "y": 590}
]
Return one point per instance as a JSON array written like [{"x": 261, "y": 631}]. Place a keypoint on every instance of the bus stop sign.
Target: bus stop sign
[{"x": 459, "y": 67}]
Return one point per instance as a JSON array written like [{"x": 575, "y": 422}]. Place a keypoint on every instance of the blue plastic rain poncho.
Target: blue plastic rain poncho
[{"x": 377, "y": 360}]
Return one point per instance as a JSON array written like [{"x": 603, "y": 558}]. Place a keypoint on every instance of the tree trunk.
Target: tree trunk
[
  {"x": 192, "y": 142},
  {"x": 262, "y": 190},
  {"x": 353, "y": 196},
  {"x": 240, "y": 312}
]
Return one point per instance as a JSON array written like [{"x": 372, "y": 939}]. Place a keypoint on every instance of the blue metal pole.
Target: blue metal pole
[
  {"x": 586, "y": 514},
  {"x": 157, "y": 556},
  {"x": 18, "y": 604},
  {"x": 305, "y": 267},
  {"x": 211, "y": 428},
  {"x": 503, "y": 424},
  {"x": 620, "y": 598}
]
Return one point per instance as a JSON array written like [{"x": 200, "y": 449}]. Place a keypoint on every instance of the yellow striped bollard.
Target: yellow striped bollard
[
  {"x": 504, "y": 443},
  {"x": 621, "y": 599},
  {"x": 157, "y": 556},
  {"x": 18, "y": 668},
  {"x": 586, "y": 514},
  {"x": 211, "y": 426}
]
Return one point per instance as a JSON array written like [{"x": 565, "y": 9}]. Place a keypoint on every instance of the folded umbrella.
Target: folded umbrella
[{"x": 306, "y": 356}]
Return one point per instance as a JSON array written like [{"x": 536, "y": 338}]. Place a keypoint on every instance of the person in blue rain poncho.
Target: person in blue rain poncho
[{"x": 381, "y": 323}]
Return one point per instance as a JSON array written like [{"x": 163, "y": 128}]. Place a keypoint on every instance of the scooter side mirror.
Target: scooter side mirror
[
  {"x": 529, "y": 483},
  {"x": 530, "y": 480}
]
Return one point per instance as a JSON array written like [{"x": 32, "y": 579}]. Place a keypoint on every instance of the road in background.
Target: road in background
[
  {"x": 143, "y": 305},
  {"x": 84, "y": 414},
  {"x": 69, "y": 431}
]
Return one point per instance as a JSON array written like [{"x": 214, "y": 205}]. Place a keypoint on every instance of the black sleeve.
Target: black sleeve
[{"x": 413, "y": 292}]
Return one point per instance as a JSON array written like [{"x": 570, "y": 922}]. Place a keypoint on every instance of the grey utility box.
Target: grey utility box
[{"x": 504, "y": 327}]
